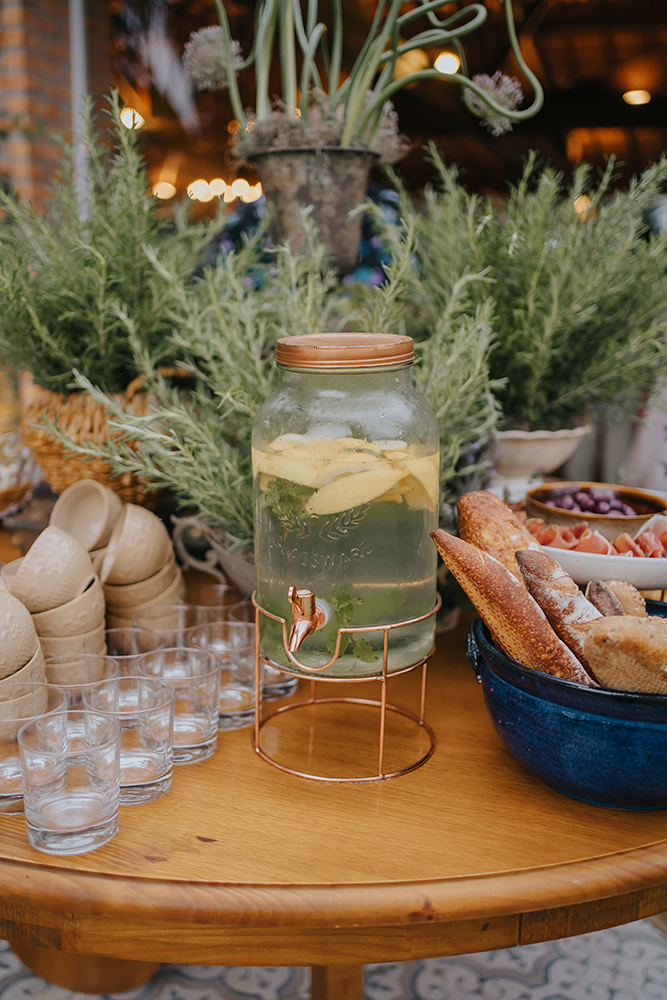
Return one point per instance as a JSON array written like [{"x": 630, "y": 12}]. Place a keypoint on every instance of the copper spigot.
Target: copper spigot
[{"x": 307, "y": 617}]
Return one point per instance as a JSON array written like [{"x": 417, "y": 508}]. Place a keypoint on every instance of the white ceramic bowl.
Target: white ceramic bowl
[
  {"x": 83, "y": 614},
  {"x": 139, "y": 547},
  {"x": 57, "y": 645},
  {"x": 644, "y": 574},
  {"x": 18, "y": 639},
  {"x": 88, "y": 511},
  {"x": 55, "y": 569},
  {"x": 129, "y": 595}
]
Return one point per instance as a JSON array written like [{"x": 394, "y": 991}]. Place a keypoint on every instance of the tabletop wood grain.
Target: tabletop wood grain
[{"x": 243, "y": 864}]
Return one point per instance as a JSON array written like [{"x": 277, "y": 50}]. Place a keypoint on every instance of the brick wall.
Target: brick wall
[{"x": 35, "y": 85}]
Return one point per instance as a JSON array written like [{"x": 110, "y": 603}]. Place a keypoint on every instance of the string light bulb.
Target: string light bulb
[
  {"x": 636, "y": 97},
  {"x": 447, "y": 62},
  {"x": 240, "y": 187},
  {"x": 254, "y": 193},
  {"x": 218, "y": 187},
  {"x": 131, "y": 118},
  {"x": 197, "y": 189},
  {"x": 581, "y": 205},
  {"x": 164, "y": 190}
]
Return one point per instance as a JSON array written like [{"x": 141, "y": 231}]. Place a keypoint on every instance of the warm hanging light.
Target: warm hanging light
[
  {"x": 636, "y": 97},
  {"x": 229, "y": 196},
  {"x": 218, "y": 187},
  {"x": 199, "y": 190},
  {"x": 581, "y": 205},
  {"x": 164, "y": 190},
  {"x": 240, "y": 187},
  {"x": 447, "y": 62},
  {"x": 132, "y": 119},
  {"x": 410, "y": 62},
  {"x": 254, "y": 193}
]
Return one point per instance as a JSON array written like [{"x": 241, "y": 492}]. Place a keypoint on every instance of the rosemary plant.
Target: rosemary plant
[
  {"x": 316, "y": 106},
  {"x": 579, "y": 317},
  {"x": 74, "y": 281},
  {"x": 223, "y": 332}
]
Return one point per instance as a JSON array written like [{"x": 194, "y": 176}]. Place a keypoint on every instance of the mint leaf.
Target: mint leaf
[
  {"x": 331, "y": 642},
  {"x": 364, "y": 651},
  {"x": 286, "y": 499},
  {"x": 343, "y": 604}
]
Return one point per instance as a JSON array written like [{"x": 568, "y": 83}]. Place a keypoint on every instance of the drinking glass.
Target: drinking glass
[
  {"x": 217, "y": 599},
  {"x": 237, "y": 688},
  {"x": 275, "y": 683},
  {"x": 128, "y": 645},
  {"x": 194, "y": 675},
  {"x": 171, "y": 621},
  {"x": 70, "y": 766},
  {"x": 220, "y": 636},
  {"x": 76, "y": 674},
  {"x": 144, "y": 709},
  {"x": 20, "y": 703},
  {"x": 237, "y": 679}
]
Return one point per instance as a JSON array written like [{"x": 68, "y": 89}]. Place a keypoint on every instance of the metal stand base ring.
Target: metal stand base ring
[{"x": 351, "y": 701}]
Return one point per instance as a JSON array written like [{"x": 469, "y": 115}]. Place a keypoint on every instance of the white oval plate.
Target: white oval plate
[{"x": 644, "y": 574}]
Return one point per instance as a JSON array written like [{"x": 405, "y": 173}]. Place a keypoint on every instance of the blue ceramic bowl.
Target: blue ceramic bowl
[{"x": 601, "y": 746}]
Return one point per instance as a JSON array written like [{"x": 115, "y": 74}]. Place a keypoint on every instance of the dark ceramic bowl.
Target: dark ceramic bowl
[{"x": 601, "y": 746}]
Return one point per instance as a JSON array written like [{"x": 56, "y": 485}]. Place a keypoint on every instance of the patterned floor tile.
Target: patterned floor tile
[{"x": 625, "y": 963}]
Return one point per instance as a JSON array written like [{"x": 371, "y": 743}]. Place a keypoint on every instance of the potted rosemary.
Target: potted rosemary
[
  {"x": 577, "y": 286},
  {"x": 315, "y": 144},
  {"x": 78, "y": 291}
]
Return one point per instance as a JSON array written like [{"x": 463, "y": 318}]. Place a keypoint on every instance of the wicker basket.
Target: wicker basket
[{"x": 81, "y": 418}]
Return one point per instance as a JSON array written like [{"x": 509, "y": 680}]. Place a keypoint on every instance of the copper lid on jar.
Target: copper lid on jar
[{"x": 337, "y": 351}]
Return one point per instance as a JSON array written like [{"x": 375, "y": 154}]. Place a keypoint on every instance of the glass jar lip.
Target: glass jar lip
[{"x": 326, "y": 352}]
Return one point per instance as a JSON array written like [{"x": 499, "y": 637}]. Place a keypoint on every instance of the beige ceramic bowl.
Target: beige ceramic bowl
[
  {"x": 130, "y": 595},
  {"x": 32, "y": 671},
  {"x": 168, "y": 596},
  {"x": 83, "y": 614},
  {"x": 58, "y": 645},
  {"x": 55, "y": 569},
  {"x": 88, "y": 511},
  {"x": 9, "y": 571},
  {"x": 97, "y": 558},
  {"x": 116, "y": 621},
  {"x": 18, "y": 640},
  {"x": 139, "y": 547}
]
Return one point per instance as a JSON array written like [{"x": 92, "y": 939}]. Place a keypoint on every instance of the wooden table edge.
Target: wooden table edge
[{"x": 55, "y": 891}]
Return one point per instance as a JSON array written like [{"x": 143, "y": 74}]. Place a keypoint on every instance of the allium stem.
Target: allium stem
[{"x": 230, "y": 66}]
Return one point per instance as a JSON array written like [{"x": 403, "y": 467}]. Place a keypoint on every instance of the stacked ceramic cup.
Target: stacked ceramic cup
[
  {"x": 88, "y": 511},
  {"x": 20, "y": 652},
  {"x": 56, "y": 583},
  {"x": 138, "y": 569}
]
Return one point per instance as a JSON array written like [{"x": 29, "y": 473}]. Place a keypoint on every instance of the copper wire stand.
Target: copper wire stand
[{"x": 383, "y": 705}]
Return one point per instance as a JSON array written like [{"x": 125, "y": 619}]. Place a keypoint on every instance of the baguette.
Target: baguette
[
  {"x": 514, "y": 618},
  {"x": 487, "y": 522},
  {"x": 629, "y": 653},
  {"x": 603, "y": 598},
  {"x": 568, "y": 612},
  {"x": 629, "y": 597}
]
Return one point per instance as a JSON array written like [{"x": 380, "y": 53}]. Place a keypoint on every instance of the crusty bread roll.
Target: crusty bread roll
[
  {"x": 487, "y": 522},
  {"x": 629, "y": 653},
  {"x": 569, "y": 613},
  {"x": 631, "y": 600},
  {"x": 603, "y": 598},
  {"x": 514, "y": 618}
]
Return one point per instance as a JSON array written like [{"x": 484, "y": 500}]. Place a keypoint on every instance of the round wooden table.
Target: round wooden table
[{"x": 242, "y": 864}]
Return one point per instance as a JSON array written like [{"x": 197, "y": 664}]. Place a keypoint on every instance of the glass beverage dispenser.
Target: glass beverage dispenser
[{"x": 346, "y": 467}]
